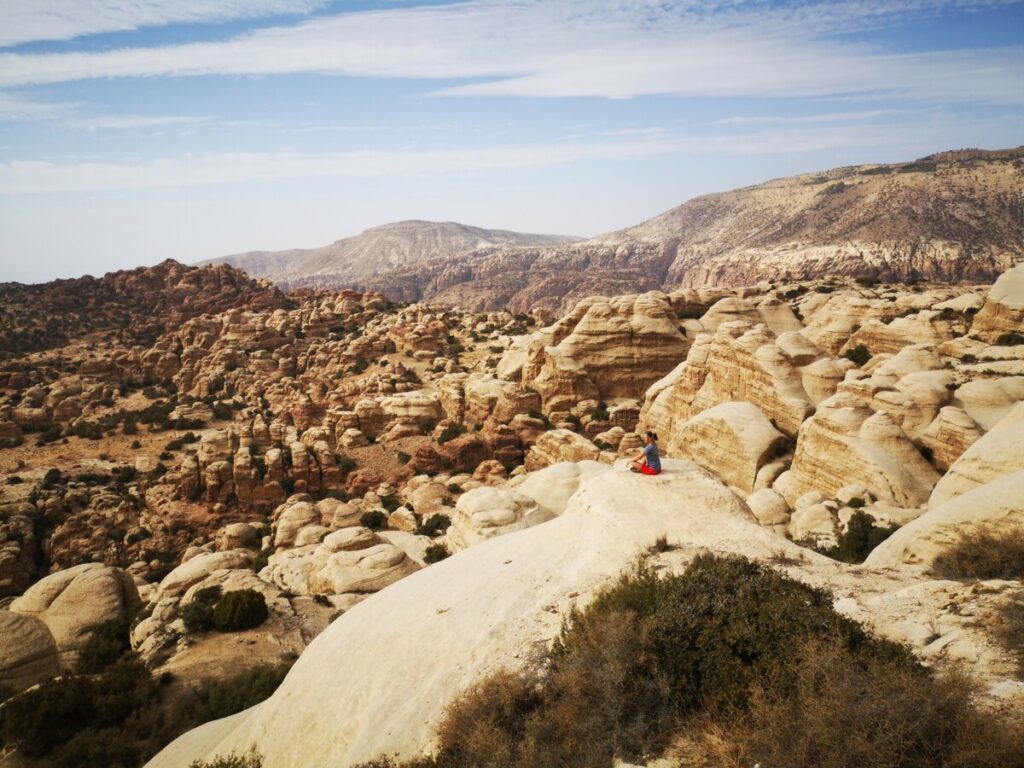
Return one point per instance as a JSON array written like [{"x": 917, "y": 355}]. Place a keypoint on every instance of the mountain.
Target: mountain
[
  {"x": 352, "y": 260},
  {"x": 953, "y": 216},
  {"x": 137, "y": 304}
]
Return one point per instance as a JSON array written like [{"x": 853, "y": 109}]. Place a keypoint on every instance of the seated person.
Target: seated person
[{"x": 647, "y": 462}]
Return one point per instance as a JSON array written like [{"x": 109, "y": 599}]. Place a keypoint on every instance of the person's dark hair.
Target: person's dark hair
[{"x": 652, "y": 435}]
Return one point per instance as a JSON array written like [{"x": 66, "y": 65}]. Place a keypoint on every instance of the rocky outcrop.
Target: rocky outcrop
[
  {"x": 846, "y": 442},
  {"x": 560, "y": 445},
  {"x": 998, "y": 453},
  {"x": 731, "y": 440},
  {"x": 604, "y": 349},
  {"x": 1003, "y": 310},
  {"x": 70, "y": 603},
  {"x": 484, "y": 513},
  {"x": 998, "y": 504},
  {"x": 28, "y": 652}
]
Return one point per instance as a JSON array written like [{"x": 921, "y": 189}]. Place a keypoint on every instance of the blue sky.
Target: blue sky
[{"x": 137, "y": 130}]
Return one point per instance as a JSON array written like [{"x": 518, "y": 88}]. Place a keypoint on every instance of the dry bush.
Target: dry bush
[
  {"x": 1010, "y": 630},
  {"x": 984, "y": 553}
]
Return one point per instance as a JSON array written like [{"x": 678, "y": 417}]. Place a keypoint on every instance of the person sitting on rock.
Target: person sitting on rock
[{"x": 647, "y": 462}]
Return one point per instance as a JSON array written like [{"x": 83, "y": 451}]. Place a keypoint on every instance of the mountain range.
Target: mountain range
[{"x": 952, "y": 216}]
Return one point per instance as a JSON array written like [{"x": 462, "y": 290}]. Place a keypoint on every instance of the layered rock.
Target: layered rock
[
  {"x": 1003, "y": 310},
  {"x": 846, "y": 442}
]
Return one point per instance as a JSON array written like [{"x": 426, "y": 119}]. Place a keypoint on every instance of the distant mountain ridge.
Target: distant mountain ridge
[
  {"x": 953, "y": 216},
  {"x": 353, "y": 260}
]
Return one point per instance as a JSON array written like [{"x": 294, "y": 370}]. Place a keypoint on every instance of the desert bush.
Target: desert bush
[
  {"x": 728, "y": 647},
  {"x": 450, "y": 433},
  {"x": 52, "y": 477},
  {"x": 403, "y": 457},
  {"x": 180, "y": 442},
  {"x": 855, "y": 503},
  {"x": 107, "y": 642},
  {"x": 1010, "y": 629},
  {"x": 375, "y": 520},
  {"x": 233, "y": 760},
  {"x": 426, "y": 425},
  {"x": 345, "y": 463},
  {"x": 246, "y": 689},
  {"x": 97, "y": 749},
  {"x": 1011, "y": 339},
  {"x": 983, "y": 553},
  {"x": 858, "y": 354},
  {"x": 239, "y": 610},
  {"x": 223, "y": 411},
  {"x": 435, "y": 553},
  {"x": 198, "y": 613},
  {"x": 860, "y": 537},
  {"x": 390, "y": 503},
  {"x": 434, "y": 525}
]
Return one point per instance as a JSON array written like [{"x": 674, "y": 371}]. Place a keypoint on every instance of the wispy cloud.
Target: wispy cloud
[
  {"x": 130, "y": 122},
  {"x": 605, "y": 48},
  {"x": 31, "y": 20},
  {"x": 829, "y": 117},
  {"x": 14, "y": 108},
  {"x": 32, "y": 177}
]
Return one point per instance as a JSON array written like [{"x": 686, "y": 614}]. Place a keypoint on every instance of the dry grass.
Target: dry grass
[{"x": 984, "y": 553}]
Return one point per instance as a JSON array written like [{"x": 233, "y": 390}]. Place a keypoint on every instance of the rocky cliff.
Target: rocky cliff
[{"x": 948, "y": 217}]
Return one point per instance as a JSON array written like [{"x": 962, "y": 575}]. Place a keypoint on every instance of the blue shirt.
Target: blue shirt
[{"x": 653, "y": 459}]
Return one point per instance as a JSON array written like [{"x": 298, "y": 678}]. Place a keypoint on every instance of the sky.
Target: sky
[{"x": 132, "y": 131}]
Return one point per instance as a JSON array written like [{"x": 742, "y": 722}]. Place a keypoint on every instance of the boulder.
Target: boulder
[
  {"x": 552, "y": 487},
  {"x": 998, "y": 504},
  {"x": 996, "y": 454},
  {"x": 731, "y": 440},
  {"x": 484, "y": 513},
  {"x": 28, "y": 652},
  {"x": 846, "y": 442},
  {"x": 560, "y": 445},
  {"x": 1003, "y": 310},
  {"x": 73, "y": 601}
]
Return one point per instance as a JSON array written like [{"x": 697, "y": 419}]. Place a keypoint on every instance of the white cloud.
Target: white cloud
[
  {"x": 129, "y": 122},
  {"x": 21, "y": 177},
  {"x": 23, "y": 21},
  {"x": 829, "y": 117},
  {"x": 605, "y": 48},
  {"x": 13, "y": 108}
]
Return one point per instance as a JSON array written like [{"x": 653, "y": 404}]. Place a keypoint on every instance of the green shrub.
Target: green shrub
[
  {"x": 375, "y": 520},
  {"x": 97, "y": 749},
  {"x": 450, "y": 433},
  {"x": 860, "y": 537},
  {"x": 434, "y": 525},
  {"x": 52, "y": 477},
  {"x": 836, "y": 188},
  {"x": 107, "y": 642},
  {"x": 727, "y": 647},
  {"x": 247, "y": 689},
  {"x": 435, "y": 553},
  {"x": 426, "y": 425},
  {"x": 390, "y": 503},
  {"x": 855, "y": 503},
  {"x": 239, "y": 610},
  {"x": 403, "y": 457},
  {"x": 345, "y": 463},
  {"x": 858, "y": 354},
  {"x": 1011, "y": 339},
  {"x": 983, "y": 553},
  {"x": 198, "y": 614},
  {"x": 41, "y": 719}
]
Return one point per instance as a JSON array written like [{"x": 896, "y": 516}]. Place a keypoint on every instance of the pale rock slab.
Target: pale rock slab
[
  {"x": 731, "y": 440},
  {"x": 559, "y": 445},
  {"x": 1003, "y": 310},
  {"x": 998, "y": 453},
  {"x": 998, "y": 504},
  {"x": 485, "y": 513},
  {"x": 28, "y": 652}
]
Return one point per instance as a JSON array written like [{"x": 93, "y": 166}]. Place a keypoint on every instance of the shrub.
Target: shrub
[
  {"x": 1011, "y": 339},
  {"x": 43, "y": 718},
  {"x": 51, "y": 478},
  {"x": 390, "y": 503},
  {"x": 239, "y": 610},
  {"x": 835, "y": 189},
  {"x": 223, "y": 411},
  {"x": 450, "y": 433},
  {"x": 1010, "y": 630},
  {"x": 233, "y": 760},
  {"x": 403, "y": 457},
  {"x": 375, "y": 520},
  {"x": 93, "y": 749},
  {"x": 198, "y": 614},
  {"x": 345, "y": 463},
  {"x": 130, "y": 426},
  {"x": 858, "y": 354},
  {"x": 727, "y": 647},
  {"x": 434, "y": 525},
  {"x": 855, "y": 503},
  {"x": 601, "y": 414},
  {"x": 983, "y": 554},
  {"x": 107, "y": 641},
  {"x": 244, "y": 690},
  {"x": 860, "y": 537},
  {"x": 14, "y": 480},
  {"x": 427, "y": 425},
  {"x": 124, "y": 474},
  {"x": 435, "y": 553}
]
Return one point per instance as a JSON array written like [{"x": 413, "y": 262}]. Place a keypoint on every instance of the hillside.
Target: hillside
[
  {"x": 138, "y": 304},
  {"x": 955, "y": 216},
  {"x": 351, "y": 260}
]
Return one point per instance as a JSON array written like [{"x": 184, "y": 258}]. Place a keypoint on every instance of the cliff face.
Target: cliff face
[
  {"x": 352, "y": 260},
  {"x": 956, "y": 216}
]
